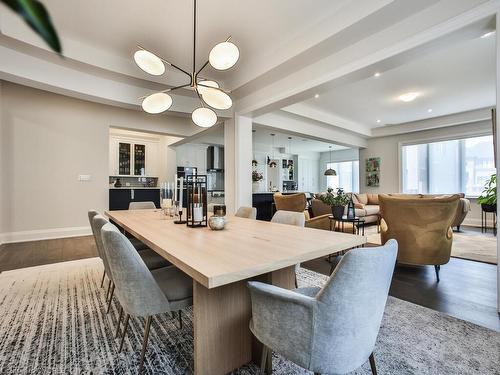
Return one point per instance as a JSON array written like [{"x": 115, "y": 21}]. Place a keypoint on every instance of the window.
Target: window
[
  {"x": 347, "y": 176},
  {"x": 459, "y": 165}
]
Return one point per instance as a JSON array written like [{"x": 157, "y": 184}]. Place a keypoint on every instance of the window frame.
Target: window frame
[{"x": 419, "y": 141}]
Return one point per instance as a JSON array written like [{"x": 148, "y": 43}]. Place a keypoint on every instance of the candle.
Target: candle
[
  {"x": 175, "y": 188},
  {"x": 198, "y": 213},
  {"x": 167, "y": 203},
  {"x": 181, "y": 184}
]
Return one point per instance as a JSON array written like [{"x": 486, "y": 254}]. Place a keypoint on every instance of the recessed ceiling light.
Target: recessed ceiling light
[
  {"x": 378, "y": 121},
  {"x": 316, "y": 96},
  {"x": 488, "y": 34},
  {"x": 409, "y": 96},
  {"x": 376, "y": 75},
  {"x": 429, "y": 110}
]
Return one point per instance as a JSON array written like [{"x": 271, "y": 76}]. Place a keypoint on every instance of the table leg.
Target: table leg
[{"x": 222, "y": 339}]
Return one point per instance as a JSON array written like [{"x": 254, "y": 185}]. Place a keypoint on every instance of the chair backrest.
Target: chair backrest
[
  {"x": 91, "y": 215},
  {"x": 98, "y": 221},
  {"x": 293, "y": 202},
  {"x": 136, "y": 289},
  {"x": 141, "y": 205},
  {"x": 288, "y": 217},
  {"x": 247, "y": 212},
  {"x": 350, "y": 309},
  {"x": 422, "y": 227},
  {"x": 319, "y": 208}
]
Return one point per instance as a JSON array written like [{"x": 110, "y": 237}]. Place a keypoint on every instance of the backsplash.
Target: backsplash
[{"x": 134, "y": 181}]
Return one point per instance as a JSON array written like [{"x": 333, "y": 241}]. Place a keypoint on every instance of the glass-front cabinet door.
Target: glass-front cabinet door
[
  {"x": 124, "y": 158},
  {"x": 139, "y": 160}
]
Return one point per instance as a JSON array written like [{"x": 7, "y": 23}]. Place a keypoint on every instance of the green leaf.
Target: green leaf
[{"x": 37, "y": 17}]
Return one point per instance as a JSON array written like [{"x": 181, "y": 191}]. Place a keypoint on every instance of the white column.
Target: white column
[
  {"x": 238, "y": 163},
  {"x": 498, "y": 151}
]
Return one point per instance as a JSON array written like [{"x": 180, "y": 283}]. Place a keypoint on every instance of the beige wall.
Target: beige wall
[
  {"x": 388, "y": 149},
  {"x": 46, "y": 141}
]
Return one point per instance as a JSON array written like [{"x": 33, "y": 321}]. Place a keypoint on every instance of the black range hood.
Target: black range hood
[{"x": 215, "y": 158}]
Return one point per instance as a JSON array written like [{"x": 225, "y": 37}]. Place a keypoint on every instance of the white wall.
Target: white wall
[
  {"x": 388, "y": 149},
  {"x": 47, "y": 141},
  {"x": 337, "y": 156}
]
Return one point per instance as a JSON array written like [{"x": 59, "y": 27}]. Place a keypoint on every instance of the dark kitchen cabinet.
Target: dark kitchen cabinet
[{"x": 119, "y": 199}]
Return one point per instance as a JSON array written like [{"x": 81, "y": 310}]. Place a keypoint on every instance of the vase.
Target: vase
[
  {"x": 338, "y": 212},
  {"x": 118, "y": 183},
  {"x": 255, "y": 186},
  {"x": 489, "y": 207}
]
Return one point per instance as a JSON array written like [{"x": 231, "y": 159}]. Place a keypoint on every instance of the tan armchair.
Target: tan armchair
[
  {"x": 297, "y": 203},
  {"x": 422, "y": 227}
]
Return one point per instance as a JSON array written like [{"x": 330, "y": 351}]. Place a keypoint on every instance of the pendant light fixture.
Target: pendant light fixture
[
  {"x": 290, "y": 162},
  {"x": 330, "y": 171},
  {"x": 222, "y": 57},
  {"x": 254, "y": 160},
  {"x": 272, "y": 163}
]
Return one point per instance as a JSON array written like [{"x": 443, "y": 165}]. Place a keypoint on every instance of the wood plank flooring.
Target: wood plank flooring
[{"x": 467, "y": 289}]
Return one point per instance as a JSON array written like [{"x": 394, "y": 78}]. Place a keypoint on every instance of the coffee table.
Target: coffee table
[{"x": 357, "y": 224}]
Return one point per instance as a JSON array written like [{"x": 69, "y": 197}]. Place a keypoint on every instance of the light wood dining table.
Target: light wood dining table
[{"x": 221, "y": 263}]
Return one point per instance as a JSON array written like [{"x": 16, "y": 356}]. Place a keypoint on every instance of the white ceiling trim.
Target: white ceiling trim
[
  {"x": 421, "y": 28},
  {"x": 300, "y": 126},
  {"x": 478, "y": 115},
  {"x": 306, "y": 110}
]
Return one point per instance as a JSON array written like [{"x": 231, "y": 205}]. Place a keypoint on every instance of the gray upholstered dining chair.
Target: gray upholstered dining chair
[
  {"x": 247, "y": 212},
  {"x": 91, "y": 215},
  {"x": 289, "y": 217},
  {"x": 141, "y": 205},
  {"x": 150, "y": 258},
  {"x": 329, "y": 330},
  {"x": 141, "y": 292}
]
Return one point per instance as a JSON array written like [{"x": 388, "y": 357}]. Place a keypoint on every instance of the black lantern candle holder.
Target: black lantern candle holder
[{"x": 196, "y": 210}]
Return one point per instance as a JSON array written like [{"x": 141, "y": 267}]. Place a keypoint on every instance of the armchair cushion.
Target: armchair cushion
[
  {"x": 362, "y": 198},
  {"x": 319, "y": 222}
]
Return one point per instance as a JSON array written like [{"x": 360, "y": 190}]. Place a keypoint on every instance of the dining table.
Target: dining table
[{"x": 221, "y": 263}]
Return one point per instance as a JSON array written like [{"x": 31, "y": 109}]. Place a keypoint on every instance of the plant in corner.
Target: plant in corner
[
  {"x": 337, "y": 201},
  {"x": 488, "y": 198},
  {"x": 36, "y": 16}
]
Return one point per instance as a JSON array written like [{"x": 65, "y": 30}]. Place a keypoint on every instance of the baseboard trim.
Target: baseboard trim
[{"x": 44, "y": 234}]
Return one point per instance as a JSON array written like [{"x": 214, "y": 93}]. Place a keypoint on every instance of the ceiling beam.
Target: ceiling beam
[
  {"x": 301, "y": 126},
  {"x": 418, "y": 29}
]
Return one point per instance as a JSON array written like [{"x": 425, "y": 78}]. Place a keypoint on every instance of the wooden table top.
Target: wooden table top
[{"x": 244, "y": 249}]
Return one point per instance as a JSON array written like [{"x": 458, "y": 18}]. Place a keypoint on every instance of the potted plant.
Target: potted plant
[
  {"x": 337, "y": 201},
  {"x": 488, "y": 198}
]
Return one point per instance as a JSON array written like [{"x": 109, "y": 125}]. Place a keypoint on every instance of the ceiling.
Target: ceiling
[
  {"x": 165, "y": 27},
  {"x": 455, "y": 78}
]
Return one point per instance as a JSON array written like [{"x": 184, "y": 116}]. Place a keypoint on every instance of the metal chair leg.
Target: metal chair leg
[
  {"x": 437, "y": 269},
  {"x": 372, "y": 364},
  {"x": 110, "y": 298},
  {"x": 103, "y": 276},
  {"x": 118, "y": 323},
  {"x": 180, "y": 319},
  {"x": 263, "y": 360},
  {"x": 109, "y": 288},
  {"x": 125, "y": 327},
  {"x": 145, "y": 343}
]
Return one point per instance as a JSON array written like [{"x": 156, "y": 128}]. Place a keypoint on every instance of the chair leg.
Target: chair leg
[
  {"x": 103, "y": 276},
  {"x": 109, "y": 288},
  {"x": 110, "y": 298},
  {"x": 118, "y": 323},
  {"x": 125, "y": 327},
  {"x": 145, "y": 343},
  {"x": 437, "y": 268},
  {"x": 263, "y": 359},
  {"x": 296, "y": 282},
  {"x": 180, "y": 319},
  {"x": 372, "y": 364}
]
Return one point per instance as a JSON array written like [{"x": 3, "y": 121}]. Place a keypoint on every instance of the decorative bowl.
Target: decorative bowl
[{"x": 216, "y": 222}]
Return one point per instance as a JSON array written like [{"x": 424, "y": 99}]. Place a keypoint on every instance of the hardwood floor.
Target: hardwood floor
[{"x": 467, "y": 289}]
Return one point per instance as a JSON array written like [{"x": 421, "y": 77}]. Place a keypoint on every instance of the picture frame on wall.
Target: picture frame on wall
[{"x": 373, "y": 172}]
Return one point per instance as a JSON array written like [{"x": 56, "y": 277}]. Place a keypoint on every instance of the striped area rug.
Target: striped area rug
[{"x": 52, "y": 321}]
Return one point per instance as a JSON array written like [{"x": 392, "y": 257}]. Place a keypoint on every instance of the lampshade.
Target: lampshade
[
  {"x": 149, "y": 62},
  {"x": 272, "y": 164},
  {"x": 224, "y": 55},
  {"x": 204, "y": 117},
  {"x": 330, "y": 172},
  {"x": 157, "y": 103},
  {"x": 201, "y": 86},
  {"x": 217, "y": 99}
]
